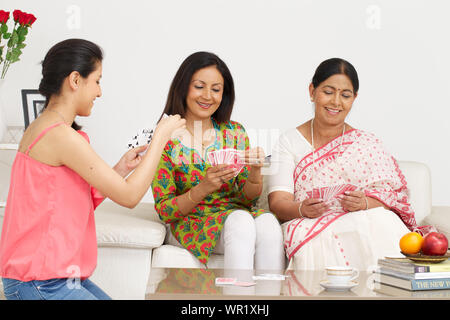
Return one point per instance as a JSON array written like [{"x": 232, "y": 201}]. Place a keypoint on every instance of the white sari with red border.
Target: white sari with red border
[{"x": 338, "y": 237}]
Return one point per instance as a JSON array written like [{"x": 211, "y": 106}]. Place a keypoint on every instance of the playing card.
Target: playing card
[
  {"x": 228, "y": 156},
  {"x": 143, "y": 137},
  {"x": 225, "y": 281},
  {"x": 244, "y": 283},
  {"x": 328, "y": 194},
  {"x": 316, "y": 193},
  {"x": 270, "y": 276}
]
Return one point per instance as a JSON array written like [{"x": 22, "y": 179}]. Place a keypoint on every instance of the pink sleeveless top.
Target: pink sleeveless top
[{"x": 48, "y": 228}]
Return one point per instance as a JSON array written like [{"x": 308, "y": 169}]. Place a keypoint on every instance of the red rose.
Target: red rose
[
  {"x": 16, "y": 15},
  {"x": 23, "y": 18},
  {"x": 32, "y": 19},
  {"x": 4, "y": 16}
]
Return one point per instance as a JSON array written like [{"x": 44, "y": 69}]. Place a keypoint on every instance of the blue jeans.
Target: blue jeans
[{"x": 53, "y": 289}]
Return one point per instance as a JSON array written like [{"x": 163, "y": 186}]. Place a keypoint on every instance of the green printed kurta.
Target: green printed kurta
[{"x": 182, "y": 168}]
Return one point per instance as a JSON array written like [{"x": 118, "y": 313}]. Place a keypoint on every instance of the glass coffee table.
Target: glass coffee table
[{"x": 199, "y": 284}]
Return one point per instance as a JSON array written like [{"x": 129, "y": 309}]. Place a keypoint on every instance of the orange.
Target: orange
[{"x": 411, "y": 243}]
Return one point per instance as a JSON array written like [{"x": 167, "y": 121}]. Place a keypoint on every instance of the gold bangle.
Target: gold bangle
[
  {"x": 300, "y": 210},
  {"x": 367, "y": 203},
  {"x": 189, "y": 196}
]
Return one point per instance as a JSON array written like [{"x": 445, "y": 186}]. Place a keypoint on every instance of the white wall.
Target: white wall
[{"x": 400, "y": 49}]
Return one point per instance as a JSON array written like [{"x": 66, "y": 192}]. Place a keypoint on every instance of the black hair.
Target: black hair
[
  {"x": 64, "y": 58},
  {"x": 334, "y": 66},
  {"x": 176, "y": 99}
]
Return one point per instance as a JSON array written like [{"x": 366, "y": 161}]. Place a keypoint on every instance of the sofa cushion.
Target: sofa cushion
[
  {"x": 418, "y": 179},
  {"x": 122, "y": 227},
  {"x": 440, "y": 219}
]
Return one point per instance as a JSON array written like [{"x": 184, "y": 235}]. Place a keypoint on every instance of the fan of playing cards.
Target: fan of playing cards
[
  {"x": 330, "y": 193},
  {"x": 143, "y": 137},
  {"x": 232, "y": 157}
]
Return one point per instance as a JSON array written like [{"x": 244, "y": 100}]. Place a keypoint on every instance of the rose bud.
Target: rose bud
[{"x": 16, "y": 15}]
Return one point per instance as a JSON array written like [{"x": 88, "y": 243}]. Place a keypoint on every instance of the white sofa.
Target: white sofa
[{"x": 131, "y": 242}]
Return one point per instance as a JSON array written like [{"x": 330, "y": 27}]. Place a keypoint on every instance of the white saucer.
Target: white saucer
[{"x": 338, "y": 287}]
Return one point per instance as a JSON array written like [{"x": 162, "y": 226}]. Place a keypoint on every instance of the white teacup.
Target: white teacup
[{"x": 341, "y": 275}]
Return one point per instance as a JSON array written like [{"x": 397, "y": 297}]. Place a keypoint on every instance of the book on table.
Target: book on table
[
  {"x": 408, "y": 275},
  {"x": 415, "y": 275},
  {"x": 407, "y": 266},
  {"x": 388, "y": 290},
  {"x": 411, "y": 283}
]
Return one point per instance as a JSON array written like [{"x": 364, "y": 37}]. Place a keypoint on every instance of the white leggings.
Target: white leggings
[{"x": 250, "y": 243}]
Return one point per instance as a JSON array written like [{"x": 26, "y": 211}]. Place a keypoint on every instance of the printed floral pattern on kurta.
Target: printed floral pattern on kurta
[{"x": 182, "y": 168}]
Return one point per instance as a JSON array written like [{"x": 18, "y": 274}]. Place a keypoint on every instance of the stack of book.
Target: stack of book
[{"x": 403, "y": 277}]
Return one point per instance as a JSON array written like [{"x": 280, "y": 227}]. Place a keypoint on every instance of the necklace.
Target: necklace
[
  {"x": 192, "y": 134},
  {"x": 57, "y": 114},
  {"x": 312, "y": 145}
]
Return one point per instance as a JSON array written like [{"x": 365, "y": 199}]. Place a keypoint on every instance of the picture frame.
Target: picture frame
[{"x": 33, "y": 103}]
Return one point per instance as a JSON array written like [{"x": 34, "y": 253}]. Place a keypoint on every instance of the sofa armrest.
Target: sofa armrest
[{"x": 440, "y": 219}]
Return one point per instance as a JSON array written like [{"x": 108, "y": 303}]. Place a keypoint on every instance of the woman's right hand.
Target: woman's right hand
[
  {"x": 215, "y": 177},
  {"x": 313, "y": 208},
  {"x": 168, "y": 126}
]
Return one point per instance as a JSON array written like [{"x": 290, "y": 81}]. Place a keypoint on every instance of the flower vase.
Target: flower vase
[{"x": 3, "y": 124}]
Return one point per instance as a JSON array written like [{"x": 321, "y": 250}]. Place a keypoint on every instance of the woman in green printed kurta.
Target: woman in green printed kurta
[{"x": 196, "y": 198}]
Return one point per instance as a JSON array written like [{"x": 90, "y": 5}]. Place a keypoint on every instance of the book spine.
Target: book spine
[
  {"x": 415, "y": 268},
  {"x": 430, "y": 284},
  {"x": 420, "y": 269},
  {"x": 400, "y": 268}
]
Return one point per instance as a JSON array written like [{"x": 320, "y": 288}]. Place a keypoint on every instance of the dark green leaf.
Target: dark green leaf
[
  {"x": 7, "y": 35},
  {"x": 22, "y": 31},
  {"x": 21, "y": 39},
  {"x": 14, "y": 39},
  {"x": 4, "y": 28},
  {"x": 16, "y": 52},
  {"x": 8, "y": 56},
  {"x": 15, "y": 55},
  {"x": 21, "y": 46}
]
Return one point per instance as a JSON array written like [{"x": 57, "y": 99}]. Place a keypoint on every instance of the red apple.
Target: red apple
[{"x": 435, "y": 244}]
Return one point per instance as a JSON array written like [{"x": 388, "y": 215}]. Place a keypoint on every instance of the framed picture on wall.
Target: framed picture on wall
[{"x": 33, "y": 103}]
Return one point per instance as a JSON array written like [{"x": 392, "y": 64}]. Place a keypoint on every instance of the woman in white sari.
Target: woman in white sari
[{"x": 341, "y": 196}]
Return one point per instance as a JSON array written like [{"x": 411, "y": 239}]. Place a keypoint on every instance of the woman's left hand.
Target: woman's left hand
[
  {"x": 353, "y": 201},
  {"x": 255, "y": 157},
  {"x": 130, "y": 160}
]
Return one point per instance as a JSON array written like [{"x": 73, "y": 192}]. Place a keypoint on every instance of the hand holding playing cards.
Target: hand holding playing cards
[
  {"x": 167, "y": 126},
  {"x": 129, "y": 161},
  {"x": 255, "y": 157},
  {"x": 216, "y": 176},
  {"x": 313, "y": 208},
  {"x": 353, "y": 200}
]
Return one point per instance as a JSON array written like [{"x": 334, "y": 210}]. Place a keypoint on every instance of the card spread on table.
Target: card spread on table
[
  {"x": 229, "y": 156},
  {"x": 270, "y": 276},
  {"x": 223, "y": 281},
  {"x": 233, "y": 282},
  {"x": 330, "y": 193}
]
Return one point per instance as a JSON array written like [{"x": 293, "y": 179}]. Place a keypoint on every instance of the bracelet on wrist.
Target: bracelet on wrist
[
  {"x": 367, "y": 203},
  {"x": 190, "y": 198},
  {"x": 300, "y": 210}
]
